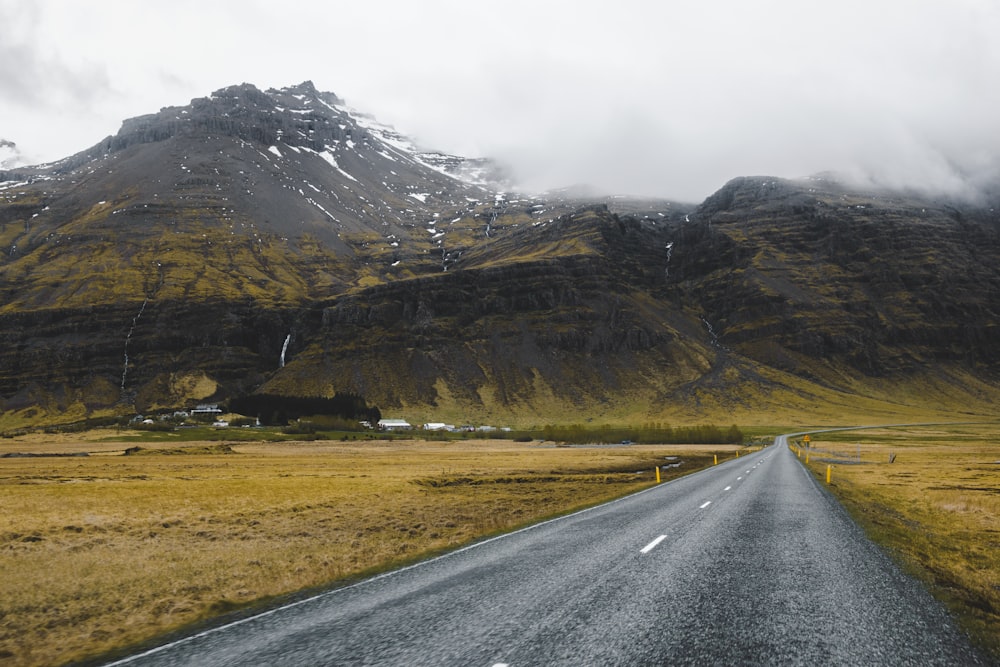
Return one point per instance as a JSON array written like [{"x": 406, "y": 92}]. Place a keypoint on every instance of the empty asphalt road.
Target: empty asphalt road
[{"x": 749, "y": 562}]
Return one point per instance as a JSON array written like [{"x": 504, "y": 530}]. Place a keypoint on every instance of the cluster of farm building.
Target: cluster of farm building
[
  {"x": 403, "y": 425},
  {"x": 213, "y": 410}
]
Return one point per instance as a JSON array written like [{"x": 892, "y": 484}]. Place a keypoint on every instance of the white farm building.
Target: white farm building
[{"x": 393, "y": 425}]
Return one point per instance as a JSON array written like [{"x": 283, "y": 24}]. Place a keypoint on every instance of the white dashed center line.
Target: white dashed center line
[
  {"x": 652, "y": 545},
  {"x": 705, "y": 505},
  {"x": 727, "y": 488}
]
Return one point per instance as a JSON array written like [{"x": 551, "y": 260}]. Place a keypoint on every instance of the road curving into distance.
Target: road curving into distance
[{"x": 748, "y": 562}]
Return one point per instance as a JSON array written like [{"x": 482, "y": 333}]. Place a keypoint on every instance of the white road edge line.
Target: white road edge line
[
  {"x": 652, "y": 545},
  {"x": 705, "y": 505}
]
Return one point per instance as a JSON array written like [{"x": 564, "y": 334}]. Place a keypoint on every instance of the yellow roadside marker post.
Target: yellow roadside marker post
[
  {"x": 716, "y": 457},
  {"x": 829, "y": 470},
  {"x": 657, "y": 474}
]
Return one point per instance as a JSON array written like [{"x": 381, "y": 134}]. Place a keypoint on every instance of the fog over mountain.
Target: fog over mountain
[
  {"x": 10, "y": 157},
  {"x": 664, "y": 100}
]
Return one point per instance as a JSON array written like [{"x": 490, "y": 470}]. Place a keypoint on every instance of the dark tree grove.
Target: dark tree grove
[
  {"x": 274, "y": 410},
  {"x": 646, "y": 434}
]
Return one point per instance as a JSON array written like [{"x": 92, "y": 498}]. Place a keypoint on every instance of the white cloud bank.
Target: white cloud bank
[{"x": 668, "y": 99}]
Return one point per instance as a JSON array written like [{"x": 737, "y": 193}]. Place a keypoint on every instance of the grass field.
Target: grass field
[
  {"x": 107, "y": 551},
  {"x": 936, "y": 507}
]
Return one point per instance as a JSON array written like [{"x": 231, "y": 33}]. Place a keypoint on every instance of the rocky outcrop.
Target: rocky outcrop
[{"x": 243, "y": 112}]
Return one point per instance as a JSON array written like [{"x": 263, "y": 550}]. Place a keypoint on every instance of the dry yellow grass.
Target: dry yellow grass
[
  {"x": 937, "y": 507},
  {"x": 106, "y": 551}
]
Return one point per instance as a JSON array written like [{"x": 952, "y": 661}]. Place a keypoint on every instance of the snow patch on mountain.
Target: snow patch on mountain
[{"x": 470, "y": 171}]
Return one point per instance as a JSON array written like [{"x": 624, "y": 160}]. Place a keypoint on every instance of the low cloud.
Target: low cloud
[
  {"x": 677, "y": 101},
  {"x": 37, "y": 78},
  {"x": 671, "y": 99}
]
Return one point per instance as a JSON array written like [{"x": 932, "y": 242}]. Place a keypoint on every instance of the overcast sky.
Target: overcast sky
[{"x": 668, "y": 98}]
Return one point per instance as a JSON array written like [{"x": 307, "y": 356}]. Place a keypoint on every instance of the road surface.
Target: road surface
[{"x": 748, "y": 562}]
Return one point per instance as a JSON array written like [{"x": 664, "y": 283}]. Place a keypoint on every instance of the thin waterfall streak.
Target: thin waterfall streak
[
  {"x": 128, "y": 337},
  {"x": 284, "y": 349}
]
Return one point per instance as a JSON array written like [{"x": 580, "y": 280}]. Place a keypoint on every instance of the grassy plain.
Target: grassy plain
[
  {"x": 107, "y": 551},
  {"x": 936, "y": 507}
]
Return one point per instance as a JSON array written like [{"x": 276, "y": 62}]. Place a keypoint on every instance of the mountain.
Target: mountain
[{"x": 278, "y": 241}]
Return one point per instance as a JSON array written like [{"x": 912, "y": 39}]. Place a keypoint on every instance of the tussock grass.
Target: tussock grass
[
  {"x": 936, "y": 507},
  {"x": 107, "y": 551}
]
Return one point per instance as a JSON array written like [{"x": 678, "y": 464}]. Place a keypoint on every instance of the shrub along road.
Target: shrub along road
[{"x": 750, "y": 561}]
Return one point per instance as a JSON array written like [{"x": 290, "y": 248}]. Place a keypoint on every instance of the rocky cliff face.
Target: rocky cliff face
[
  {"x": 886, "y": 282},
  {"x": 172, "y": 262}
]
